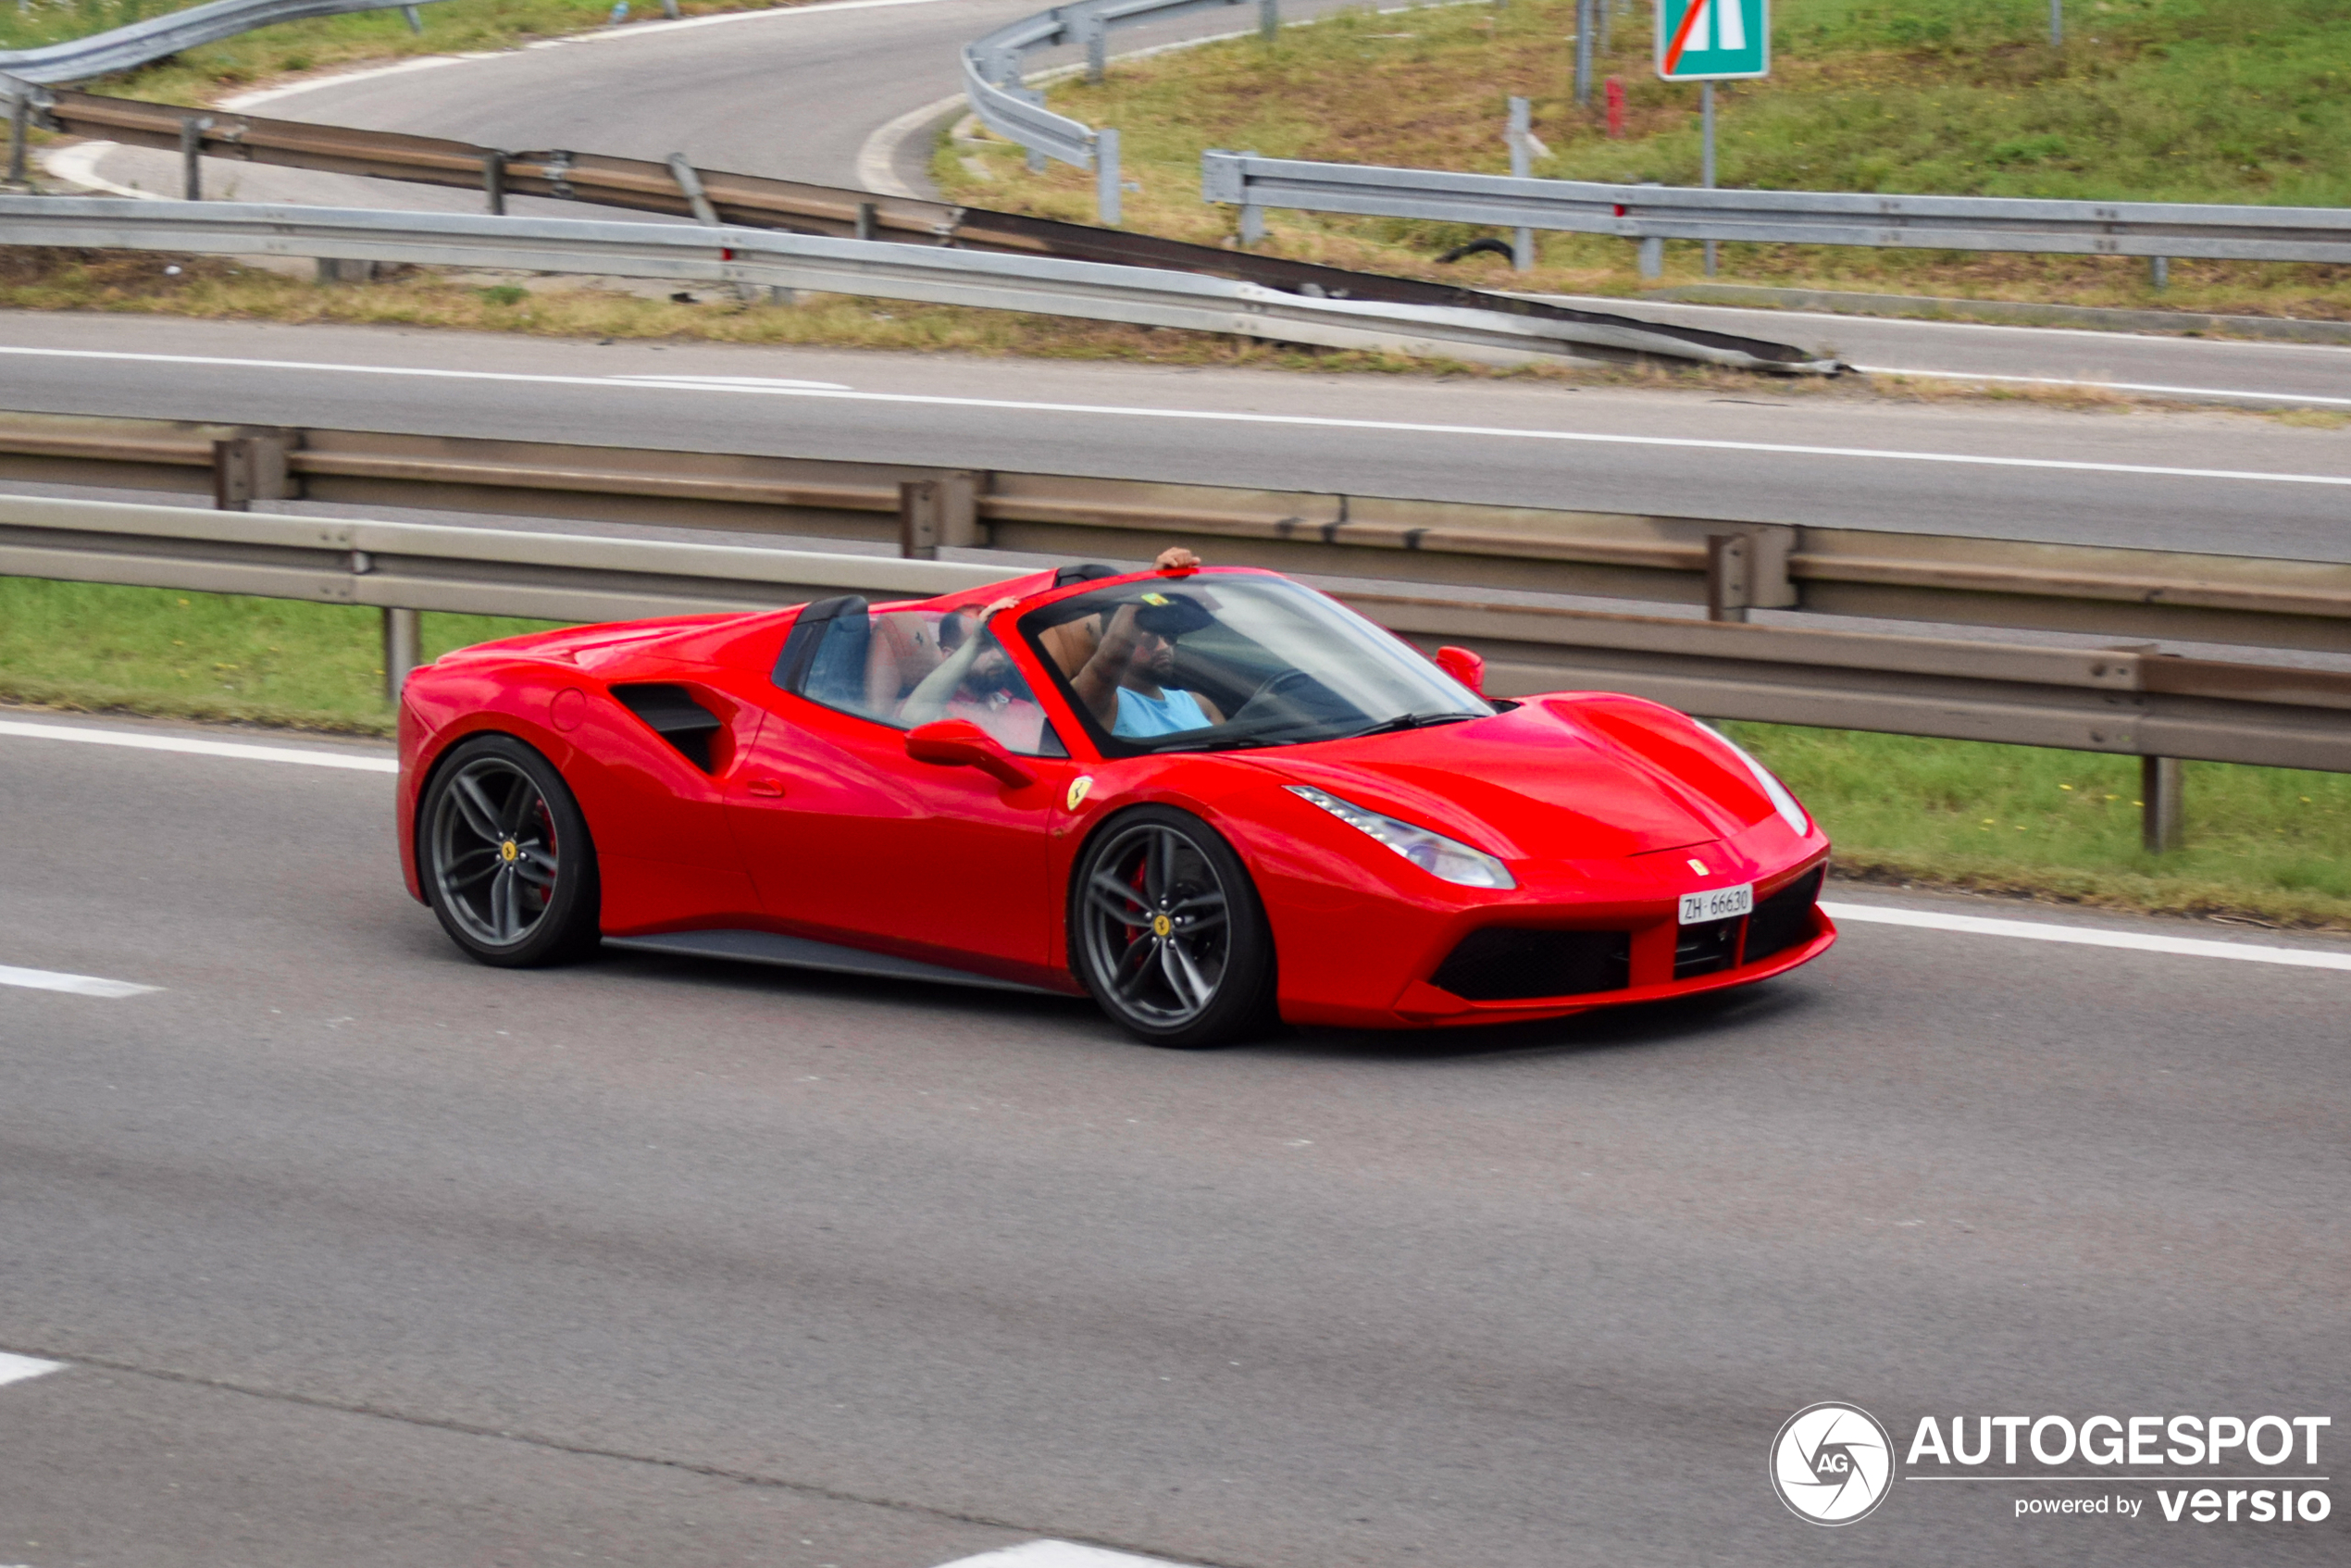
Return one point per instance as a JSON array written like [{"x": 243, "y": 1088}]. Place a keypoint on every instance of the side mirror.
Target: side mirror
[
  {"x": 1463, "y": 666},
  {"x": 958, "y": 742}
]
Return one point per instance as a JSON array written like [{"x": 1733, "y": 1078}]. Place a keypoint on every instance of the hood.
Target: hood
[{"x": 1558, "y": 778}]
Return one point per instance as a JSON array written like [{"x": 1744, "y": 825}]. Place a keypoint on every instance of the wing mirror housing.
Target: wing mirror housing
[
  {"x": 1463, "y": 666},
  {"x": 958, "y": 742}
]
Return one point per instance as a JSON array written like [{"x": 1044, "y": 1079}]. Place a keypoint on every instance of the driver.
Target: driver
[{"x": 1125, "y": 683}]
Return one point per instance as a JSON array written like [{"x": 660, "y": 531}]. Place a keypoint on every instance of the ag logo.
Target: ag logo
[{"x": 1832, "y": 1463}]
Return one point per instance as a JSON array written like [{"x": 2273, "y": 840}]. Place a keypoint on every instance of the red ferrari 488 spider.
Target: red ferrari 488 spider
[{"x": 1206, "y": 798}]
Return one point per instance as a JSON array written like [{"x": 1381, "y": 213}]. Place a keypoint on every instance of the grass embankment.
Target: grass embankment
[
  {"x": 2262, "y": 843},
  {"x": 2239, "y": 101}
]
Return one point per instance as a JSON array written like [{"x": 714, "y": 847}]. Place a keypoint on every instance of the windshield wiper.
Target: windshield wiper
[{"x": 1406, "y": 721}]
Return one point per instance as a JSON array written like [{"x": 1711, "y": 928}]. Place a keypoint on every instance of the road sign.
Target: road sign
[{"x": 1713, "y": 40}]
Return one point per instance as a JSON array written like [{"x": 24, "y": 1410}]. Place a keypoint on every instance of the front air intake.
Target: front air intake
[
  {"x": 1511, "y": 963},
  {"x": 1784, "y": 920}
]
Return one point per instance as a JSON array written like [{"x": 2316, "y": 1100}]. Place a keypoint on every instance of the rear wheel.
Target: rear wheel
[
  {"x": 505, "y": 857},
  {"x": 1166, "y": 931}
]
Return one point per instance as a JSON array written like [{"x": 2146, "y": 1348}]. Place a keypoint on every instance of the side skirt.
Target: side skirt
[{"x": 799, "y": 952}]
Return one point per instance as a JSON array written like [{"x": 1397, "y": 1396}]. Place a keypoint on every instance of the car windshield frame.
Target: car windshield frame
[{"x": 1234, "y": 634}]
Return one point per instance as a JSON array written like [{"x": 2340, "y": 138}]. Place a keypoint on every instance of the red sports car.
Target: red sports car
[{"x": 1206, "y": 798}]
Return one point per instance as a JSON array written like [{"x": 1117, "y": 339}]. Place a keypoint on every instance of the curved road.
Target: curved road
[
  {"x": 801, "y": 94},
  {"x": 360, "y": 1253}
]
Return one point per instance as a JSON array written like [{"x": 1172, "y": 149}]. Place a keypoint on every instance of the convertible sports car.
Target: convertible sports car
[{"x": 1205, "y": 797}]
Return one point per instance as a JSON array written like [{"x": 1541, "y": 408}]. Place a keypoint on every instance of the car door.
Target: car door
[{"x": 849, "y": 838}]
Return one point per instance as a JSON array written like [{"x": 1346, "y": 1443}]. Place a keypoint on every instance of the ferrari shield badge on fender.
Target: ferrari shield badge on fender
[{"x": 1077, "y": 788}]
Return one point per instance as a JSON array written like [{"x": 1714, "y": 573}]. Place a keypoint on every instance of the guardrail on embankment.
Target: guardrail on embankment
[
  {"x": 1650, "y": 214},
  {"x": 141, "y": 42},
  {"x": 995, "y": 82},
  {"x": 2127, "y": 701},
  {"x": 756, "y": 202},
  {"x": 767, "y": 258},
  {"x": 2119, "y": 701}
]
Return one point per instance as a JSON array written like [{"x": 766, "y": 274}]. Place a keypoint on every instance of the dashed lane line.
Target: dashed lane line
[
  {"x": 195, "y": 747},
  {"x": 75, "y": 985},
  {"x": 15, "y": 1369},
  {"x": 1207, "y": 416},
  {"x": 2086, "y": 936}
]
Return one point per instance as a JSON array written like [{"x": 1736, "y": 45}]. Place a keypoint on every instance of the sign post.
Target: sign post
[{"x": 1712, "y": 41}]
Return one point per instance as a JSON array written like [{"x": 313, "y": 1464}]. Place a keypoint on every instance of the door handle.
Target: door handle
[{"x": 768, "y": 787}]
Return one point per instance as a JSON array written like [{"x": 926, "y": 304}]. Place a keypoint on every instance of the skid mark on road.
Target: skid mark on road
[
  {"x": 192, "y": 746},
  {"x": 2086, "y": 936},
  {"x": 77, "y": 985}
]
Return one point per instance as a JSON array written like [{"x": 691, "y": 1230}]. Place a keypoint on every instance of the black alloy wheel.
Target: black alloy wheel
[
  {"x": 505, "y": 857},
  {"x": 1166, "y": 931}
]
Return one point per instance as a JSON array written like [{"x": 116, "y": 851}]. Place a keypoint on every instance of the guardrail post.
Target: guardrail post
[
  {"x": 249, "y": 468},
  {"x": 918, "y": 511},
  {"x": 2159, "y": 790},
  {"x": 1730, "y": 576},
  {"x": 403, "y": 649},
  {"x": 1652, "y": 254},
  {"x": 2159, "y": 271},
  {"x": 1521, "y": 159},
  {"x": 493, "y": 182},
  {"x": 1106, "y": 177},
  {"x": 416, "y": 22},
  {"x": 1583, "y": 21},
  {"x": 1096, "y": 32},
  {"x": 1269, "y": 20},
  {"x": 191, "y": 129},
  {"x": 864, "y": 221},
  {"x": 19, "y": 137}
]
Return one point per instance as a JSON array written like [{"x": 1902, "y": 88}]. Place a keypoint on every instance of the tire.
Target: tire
[
  {"x": 505, "y": 857},
  {"x": 1166, "y": 931}
]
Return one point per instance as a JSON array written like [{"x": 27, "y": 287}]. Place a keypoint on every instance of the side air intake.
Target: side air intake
[{"x": 672, "y": 712}]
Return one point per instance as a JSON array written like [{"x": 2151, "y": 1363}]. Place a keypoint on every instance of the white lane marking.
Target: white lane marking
[
  {"x": 198, "y": 748},
  {"x": 15, "y": 1369},
  {"x": 749, "y": 382},
  {"x": 2106, "y": 386},
  {"x": 1309, "y": 421},
  {"x": 2086, "y": 936},
  {"x": 1058, "y": 1554},
  {"x": 75, "y": 985}
]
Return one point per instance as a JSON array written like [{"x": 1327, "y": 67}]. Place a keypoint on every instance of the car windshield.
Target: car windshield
[{"x": 1209, "y": 663}]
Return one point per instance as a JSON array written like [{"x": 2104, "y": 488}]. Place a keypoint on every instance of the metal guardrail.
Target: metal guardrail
[
  {"x": 756, "y": 202},
  {"x": 141, "y": 42},
  {"x": 2108, "y": 701},
  {"x": 995, "y": 83},
  {"x": 1647, "y": 213},
  {"x": 1050, "y": 285},
  {"x": 1729, "y": 566}
]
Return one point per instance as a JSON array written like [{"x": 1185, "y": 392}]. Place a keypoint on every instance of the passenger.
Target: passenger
[
  {"x": 979, "y": 682},
  {"x": 1124, "y": 684}
]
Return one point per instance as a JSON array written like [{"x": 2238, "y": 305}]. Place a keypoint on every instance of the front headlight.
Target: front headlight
[{"x": 1432, "y": 852}]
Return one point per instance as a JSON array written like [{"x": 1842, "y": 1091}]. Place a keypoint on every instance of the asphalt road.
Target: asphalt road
[
  {"x": 2214, "y": 481},
  {"x": 360, "y": 1253},
  {"x": 806, "y": 94}
]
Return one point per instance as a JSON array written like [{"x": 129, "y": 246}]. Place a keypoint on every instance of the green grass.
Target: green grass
[
  {"x": 2238, "y": 101},
  {"x": 2261, "y": 842},
  {"x": 208, "y": 655}
]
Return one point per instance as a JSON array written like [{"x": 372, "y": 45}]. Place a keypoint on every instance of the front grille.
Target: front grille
[
  {"x": 1509, "y": 962},
  {"x": 1784, "y": 920},
  {"x": 1701, "y": 949}
]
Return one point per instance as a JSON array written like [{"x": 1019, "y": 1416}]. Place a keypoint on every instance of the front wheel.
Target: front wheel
[
  {"x": 1166, "y": 931},
  {"x": 507, "y": 861}
]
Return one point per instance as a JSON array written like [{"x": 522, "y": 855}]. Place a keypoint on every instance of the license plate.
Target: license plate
[{"x": 1718, "y": 904}]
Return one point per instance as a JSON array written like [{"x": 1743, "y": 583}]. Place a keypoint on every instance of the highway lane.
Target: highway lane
[
  {"x": 809, "y": 93},
  {"x": 2214, "y": 481},
  {"x": 357, "y": 1232}
]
